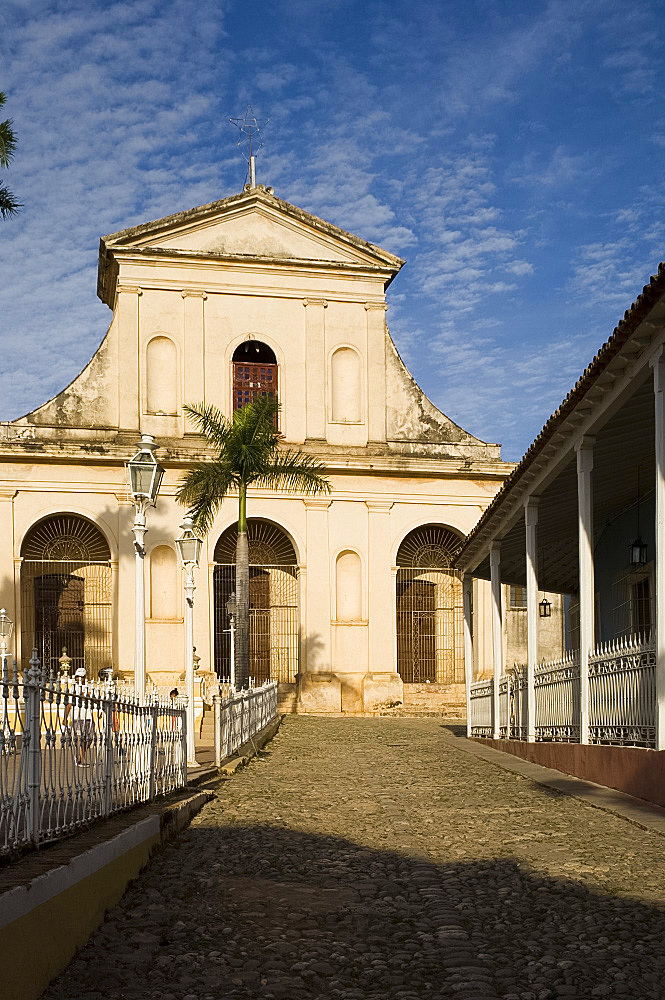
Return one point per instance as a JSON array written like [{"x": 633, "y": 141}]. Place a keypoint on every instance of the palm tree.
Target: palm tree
[
  {"x": 248, "y": 454},
  {"x": 8, "y": 203}
]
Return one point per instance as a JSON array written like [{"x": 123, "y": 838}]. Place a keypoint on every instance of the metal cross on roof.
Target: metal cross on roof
[{"x": 250, "y": 139}]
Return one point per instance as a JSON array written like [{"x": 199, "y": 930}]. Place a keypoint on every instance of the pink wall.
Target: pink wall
[{"x": 638, "y": 772}]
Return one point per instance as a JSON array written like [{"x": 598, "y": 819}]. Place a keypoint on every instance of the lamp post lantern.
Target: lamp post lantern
[
  {"x": 6, "y": 629},
  {"x": 189, "y": 547},
  {"x": 145, "y": 477}
]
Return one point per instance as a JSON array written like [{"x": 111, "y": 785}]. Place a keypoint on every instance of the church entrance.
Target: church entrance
[
  {"x": 430, "y": 640},
  {"x": 273, "y": 602},
  {"x": 66, "y": 607}
]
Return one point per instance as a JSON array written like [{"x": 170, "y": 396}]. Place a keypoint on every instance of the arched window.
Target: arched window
[
  {"x": 66, "y": 594},
  {"x": 163, "y": 583},
  {"x": 346, "y": 387},
  {"x": 429, "y": 607},
  {"x": 162, "y": 376},
  {"x": 348, "y": 587},
  {"x": 254, "y": 372}
]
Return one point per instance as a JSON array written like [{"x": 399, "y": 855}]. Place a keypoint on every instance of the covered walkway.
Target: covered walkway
[{"x": 382, "y": 858}]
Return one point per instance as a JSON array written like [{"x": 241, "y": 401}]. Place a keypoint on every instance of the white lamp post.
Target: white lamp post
[
  {"x": 189, "y": 547},
  {"x": 231, "y": 611},
  {"x": 145, "y": 477},
  {"x": 6, "y": 629}
]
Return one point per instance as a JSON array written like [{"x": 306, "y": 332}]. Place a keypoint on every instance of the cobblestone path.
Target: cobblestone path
[{"x": 376, "y": 858}]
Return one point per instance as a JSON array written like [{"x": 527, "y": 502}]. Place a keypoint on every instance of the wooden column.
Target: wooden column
[
  {"x": 659, "y": 398},
  {"x": 531, "y": 525},
  {"x": 497, "y": 633},
  {"x": 586, "y": 573},
  {"x": 467, "y": 592}
]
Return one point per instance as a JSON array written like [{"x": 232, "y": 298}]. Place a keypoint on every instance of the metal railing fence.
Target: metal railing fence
[
  {"x": 240, "y": 716},
  {"x": 71, "y": 753},
  {"x": 622, "y": 698},
  {"x": 557, "y": 690},
  {"x": 480, "y": 707},
  {"x": 622, "y": 693}
]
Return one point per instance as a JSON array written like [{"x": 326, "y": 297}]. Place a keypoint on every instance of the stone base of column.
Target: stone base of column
[
  {"x": 319, "y": 692},
  {"x": 382, "y": 689}
]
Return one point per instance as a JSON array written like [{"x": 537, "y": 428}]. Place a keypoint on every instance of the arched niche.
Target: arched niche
[
  {"x": 348, "y": 587},
  {"x": 346, "y": 389},
  {"x": 161, "y": 376},
  {"x": 163, "y": 583},
  {"x": 255, "y": 372}
]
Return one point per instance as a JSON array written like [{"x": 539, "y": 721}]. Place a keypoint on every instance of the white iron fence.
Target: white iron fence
[
  {"x": 71, "y": 753},
  {"x": 622, "y": 698},
  {"x": 622, "y": 693},
  {"x": 557, "y": 690},
  {"x": 240, "y": 716},
  {"x": 480, "y": 707}
]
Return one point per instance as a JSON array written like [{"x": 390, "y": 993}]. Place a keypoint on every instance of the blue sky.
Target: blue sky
[{"x": 512, "y": 152}]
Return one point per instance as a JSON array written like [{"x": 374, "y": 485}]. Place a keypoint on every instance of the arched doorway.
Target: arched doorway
[
  {"x": 254, "y": 372},
  {"x": 66, "y": 602},
  {"x": 273, "y": 602},
  {"x": 430, "y": 642}
]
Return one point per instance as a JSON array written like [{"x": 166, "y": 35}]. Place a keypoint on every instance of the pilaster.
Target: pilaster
[
  {"x": 127, "y": 309},
  {"x": 318, "y": 645},
  {"x": 124, "y": 618},
  {"x": 382, "y": 615},
  {"x": 315, "y": 397},
  {"x": 376, "y": 370},
  {"x": 193, "y": 351},
  {"x": 8, "y": 590}
]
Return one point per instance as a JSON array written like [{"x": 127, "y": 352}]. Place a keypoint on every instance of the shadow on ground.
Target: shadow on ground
[{"x": 262, "y": 911}]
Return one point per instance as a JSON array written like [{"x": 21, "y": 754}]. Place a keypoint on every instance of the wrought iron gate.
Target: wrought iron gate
[
  {"x": 273, "y": 622},
  {"x": 66, "y": 595},
  {"x": 429, "y": 626}
]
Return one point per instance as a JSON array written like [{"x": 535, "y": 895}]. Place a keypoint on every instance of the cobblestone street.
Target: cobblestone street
[{"x": 377, "y": 858}]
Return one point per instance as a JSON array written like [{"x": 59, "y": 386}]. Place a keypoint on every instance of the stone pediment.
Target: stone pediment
[{"x": 254, "y": 224}]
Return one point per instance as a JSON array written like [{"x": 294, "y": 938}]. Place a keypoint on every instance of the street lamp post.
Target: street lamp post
[
  {"x": 189, "y": 547},
  {"x": 145, "y": 477},
  {"x": 6, "y": 629},
  {"x": 231, "y": 612}
]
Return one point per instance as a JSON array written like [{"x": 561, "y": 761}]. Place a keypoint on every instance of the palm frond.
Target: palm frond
[
  {"x": 8, "y": 203},
  {"x": 295, "y": 472},
  {"x": 211, "y": 422},
  {"x": 203, "y": 489}
]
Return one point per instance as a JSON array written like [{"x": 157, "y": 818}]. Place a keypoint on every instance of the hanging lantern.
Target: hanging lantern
[
  {"x": 545, "y": 608},
  {"x": 638, "y": 552}
]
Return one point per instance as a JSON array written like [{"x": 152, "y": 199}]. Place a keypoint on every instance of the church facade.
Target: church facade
[{"x": 355, "y": 604}]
